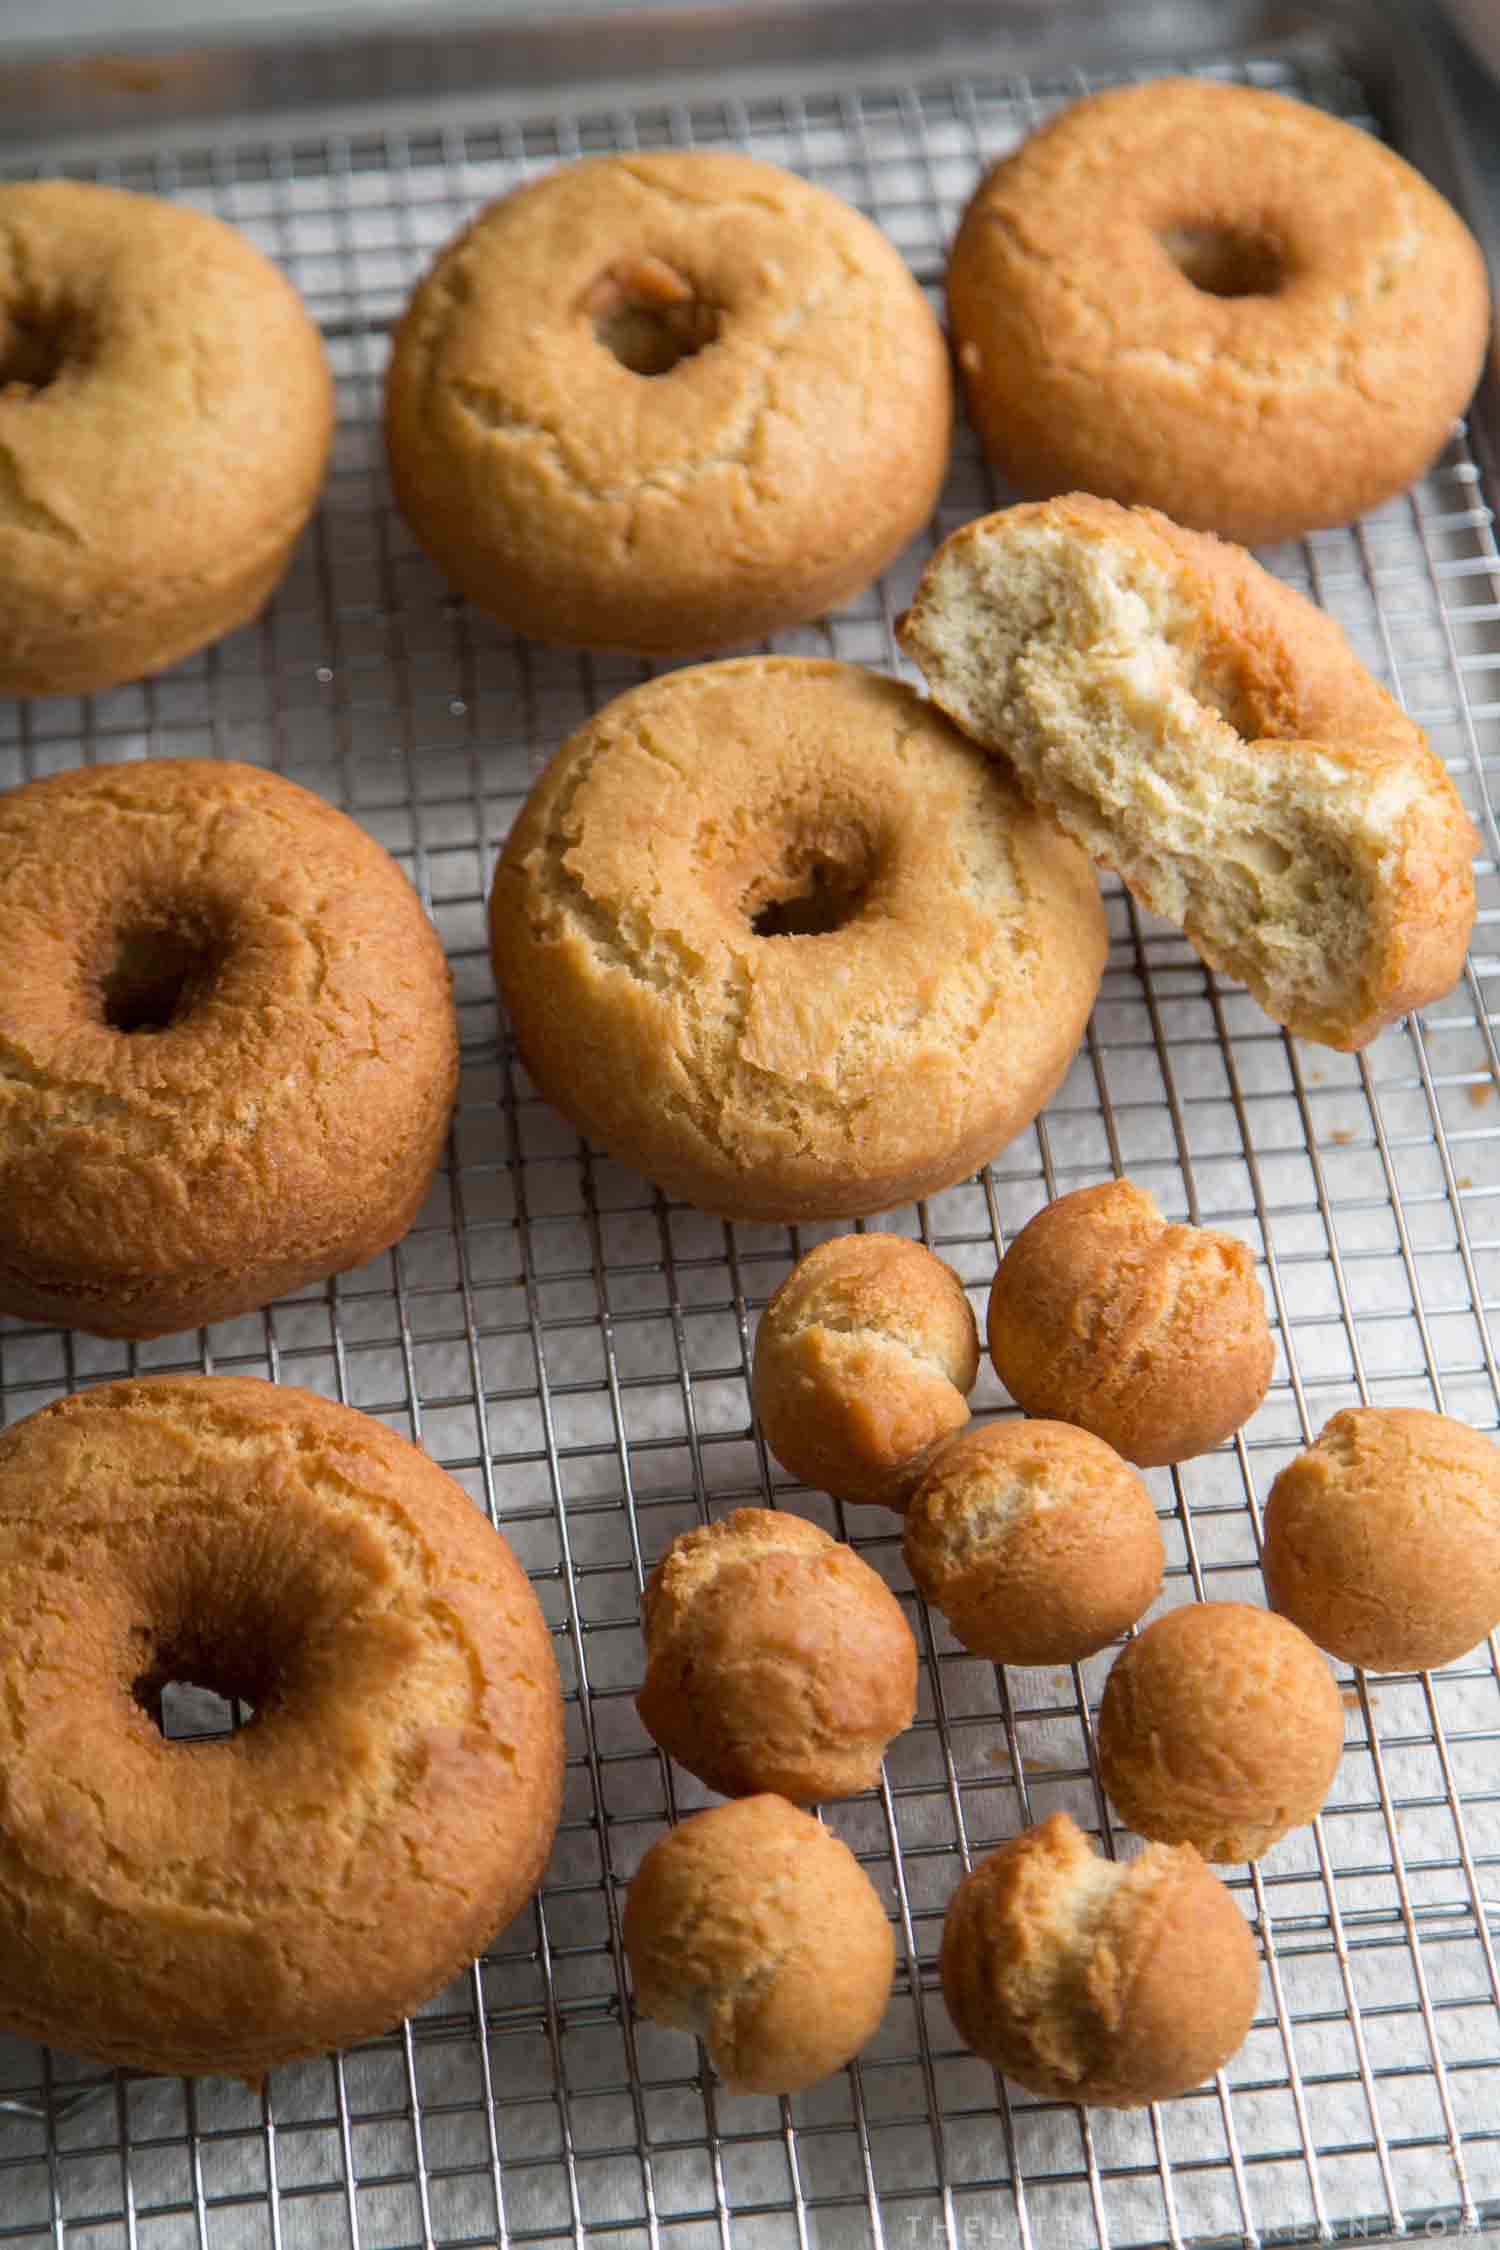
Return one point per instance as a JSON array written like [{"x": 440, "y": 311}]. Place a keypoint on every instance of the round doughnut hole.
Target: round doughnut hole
[
  {"x": 815, "y": 894},
  {"x": 192, "y": 1693},
  {"x": 1226, "y": 261},
  {"x": 35, "y": 347},
  {"x": 649, "y": 317},
  {"x": 157, "y": 974}
]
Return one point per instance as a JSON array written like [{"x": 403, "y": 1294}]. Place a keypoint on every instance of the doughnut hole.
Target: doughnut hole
[
  {"x": 37, "y": 343},
  {"x": 1225, "y": 261},
  {"x": 159, "y": 966},
  {"x": 863, "y": 1364},
  {"x": 815, "y": 891},
  {"x": 650, "y": 317}
]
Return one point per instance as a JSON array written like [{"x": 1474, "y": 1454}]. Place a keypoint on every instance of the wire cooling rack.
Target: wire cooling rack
[{"x": 575, "y": 1350}]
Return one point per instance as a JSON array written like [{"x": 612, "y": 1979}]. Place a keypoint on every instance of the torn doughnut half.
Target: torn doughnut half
[{"x": 1207, "y": 732}]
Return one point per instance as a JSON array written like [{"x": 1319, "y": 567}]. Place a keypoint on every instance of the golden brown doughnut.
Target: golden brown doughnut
[
  {"x": 223, "y": 1906},
  {"x": 1220, "y": 1727},
  {"x": 775, "y": 1659},
  {"x": 864, "y": 1360},
  {"x": 166, "y": 412},
  {"x": 1209, "y": 733},
  {"x": 228, "y": 1050},
  {"x": 1095, "y": 1982},
  {"x": 1152, "y": 1336},
  {"x": 667, "y": 401},
  {"x": 1035, "y": 1541},
  {"x": 1382, "y": 1541},
  {"x": 756, "y": 1928},
  {"x": 1219, "y": 301},
  {"x": 774, "y": 933}
]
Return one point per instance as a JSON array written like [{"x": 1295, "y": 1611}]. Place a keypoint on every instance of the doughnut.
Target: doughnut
[
  {"x": 228, "y": 1050},
  {"x": 1088, "y": 1981},
  {"x": 1208, "y": 732},
  {"x": 1382, "y": 1541},
  {"x": 166, "y": 412},
  {"x": 1154, "y": 1337},
  {"x": 756, "y": 1928},
  {"x": 667, "y": 402},
  {"x": 775, "y": 1659},
  {"x": 1218, "y": 301},
  {"x": 1035, "y": 1541},
  {"x": 773, "y": 933},
  {"x": 224, "y": 1906},
  {"x": 1220, "y": 1727},
  {"x": 864, "y": 1361}
]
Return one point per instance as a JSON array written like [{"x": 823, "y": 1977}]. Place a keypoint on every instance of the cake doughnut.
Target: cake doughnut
[
  {"x": 864, "y": 1361},
  {"x": 772, "y": 932},
  {"x": 224, "y": 1906},
  {"x": 1152, "y": 1336},
  {"x": 1209, "y": 733},
  {"x": 1092, "y": 1981},
  {"x": 757, "y": 1928},
  {"x": 166, "y": 412},
  {"x": 228, "y": 1049},
  {"x": 775, "y": 1659},
  {"x": 666, "y": 402},
  {"x": 1218, "y": 301}
]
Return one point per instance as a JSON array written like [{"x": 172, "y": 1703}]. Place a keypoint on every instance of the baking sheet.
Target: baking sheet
[{"x": 575, "y": 1349}]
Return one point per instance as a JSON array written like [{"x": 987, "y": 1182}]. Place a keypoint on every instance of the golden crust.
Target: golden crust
[
  {"x": 1382, "y": 1541},
  {"x": 1220, "y": 1727},
  {"x": 761, "y": 480},
  {"x": 1035, "y": 1541},
  {"x": 1093, "y": 1982},
  {"x": 224, "y": 1907},
  {"x": 756, "y": 1928},
  {"x": 775, "y": 1659},
  {"x": 791, "y": 1076},
  {"x": 864, "y": 1360},
  {"x": 1091, "y": 360},
  {"x": 1153, "y": 1336},
  {"x": 1313, "y": 735},
  {"x": 285, "y": 1122},
  {"x": 154, "y": 486}
]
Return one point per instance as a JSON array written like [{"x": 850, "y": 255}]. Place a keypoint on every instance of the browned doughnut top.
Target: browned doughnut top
[
  {"x": 225, "y": 1905},
  {"x": 228, "y": 1051},
  {"x": 1218, "y": 301},
  {"x": 166, "y": 410},
  {"x": 774, "y": 932},
  {"x": 667, "y": 401}
]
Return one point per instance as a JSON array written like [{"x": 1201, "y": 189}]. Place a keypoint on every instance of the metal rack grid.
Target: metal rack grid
[{"x": 575, "y": 1350}]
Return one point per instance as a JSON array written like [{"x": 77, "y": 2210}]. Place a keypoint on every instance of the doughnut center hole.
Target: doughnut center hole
[
  {"x": 816, "y": 895},
  {"x": 34, "y": 350},
  {"x": 158, "y": 973},
  {"x": 192, "y": 1693},
  {"x": 649, "y": 317},
  {"x": 1225, "y": 261}
]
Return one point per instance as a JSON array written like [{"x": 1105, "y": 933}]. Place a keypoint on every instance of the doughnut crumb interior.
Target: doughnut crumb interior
[{"x": 1208, "y": 732}]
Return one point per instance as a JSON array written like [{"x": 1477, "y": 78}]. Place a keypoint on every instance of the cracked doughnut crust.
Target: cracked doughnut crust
[
  {"x": 764, "y": 478},
  {"x": 1092, "y": 361},
  {"x": 152, "y": 489},
  {"x": 224, "y": 1906},
  {"x": 284, "y": 1123},
  {"x": 795, "y": 1075}
]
